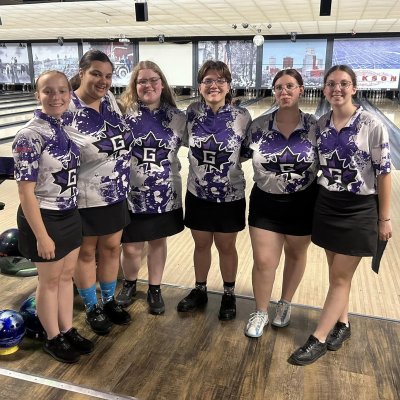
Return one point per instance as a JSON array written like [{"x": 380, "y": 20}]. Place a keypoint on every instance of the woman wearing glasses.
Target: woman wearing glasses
[
  {"x": 353, "y": 205},
  {"x": 285, "y": 163},
  {"x": 104, "y": 140},
  {"x": 215, "y": 203},
  {"x": 155, "y": 197}
]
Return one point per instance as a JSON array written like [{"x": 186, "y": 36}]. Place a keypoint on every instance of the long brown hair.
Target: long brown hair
[{"x": 130, "y": 96}]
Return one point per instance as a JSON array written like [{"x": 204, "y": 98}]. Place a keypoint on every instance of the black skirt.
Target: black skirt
[
  {"x": 346, "y": 223},
  {"x": 289, "y": 214},
  {"x": 210, "y": 216},
  {"x": 104, "y": 220},
  {"x": 64, "y": 228},
  {"x": 145, "y": 227}
]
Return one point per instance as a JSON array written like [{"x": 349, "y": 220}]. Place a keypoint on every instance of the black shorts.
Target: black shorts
[
  {"x": 63, "y": 226},
  {"x": 346, "y": 223},
  {"x": 104, "y": 220},
  {"x": 289, "y": 214},
  {"x": 210, "y": 216},
  {"x": 145, "y": 227}
]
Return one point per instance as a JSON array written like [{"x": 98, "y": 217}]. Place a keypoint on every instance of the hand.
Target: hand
[
  {"x": 46, "y": 248},
  {"x": 385, "y": 230}
]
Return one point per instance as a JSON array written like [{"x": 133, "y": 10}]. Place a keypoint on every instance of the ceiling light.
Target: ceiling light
[
  {"x": 245, "y": 25},
  {"x": 258, "y": 39}
]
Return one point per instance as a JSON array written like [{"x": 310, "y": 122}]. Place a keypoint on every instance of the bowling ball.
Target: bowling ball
[
  {"x": 12, "y": 331},
  {"x": 33, "y": 326},
  {"x": 9, "y": 243}
]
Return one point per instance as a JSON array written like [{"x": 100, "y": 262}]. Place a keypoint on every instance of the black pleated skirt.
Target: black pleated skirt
[
  {"x": 289, "y": 214},
  {"x": 105, "y": 220},
  {"x": 211, "y": 216},
  {"x": 145, "y": 227},
  {"x": 346, "y": 223},
  {"x": 64, "y": 227}
]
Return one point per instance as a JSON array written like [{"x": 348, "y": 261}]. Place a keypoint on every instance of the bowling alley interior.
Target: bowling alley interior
[{"x": 196, "y": 355}]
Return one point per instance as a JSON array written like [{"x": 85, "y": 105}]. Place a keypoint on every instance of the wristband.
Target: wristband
[{"x": 383, "y": 220}]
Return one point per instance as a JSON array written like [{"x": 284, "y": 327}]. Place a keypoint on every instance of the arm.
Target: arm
[
  {"x": 30, "y": 207},
  {"x": 384, "y": 194}
]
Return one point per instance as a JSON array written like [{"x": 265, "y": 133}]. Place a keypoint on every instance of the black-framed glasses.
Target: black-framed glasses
[
  {"x": 342, "y": 84},
  {"x": 209, "y": 82},
  {"x": 151, "y": 81},
  {"x": 289, "y": 87}
]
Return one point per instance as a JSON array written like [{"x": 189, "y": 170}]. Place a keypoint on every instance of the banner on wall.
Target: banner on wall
[
  {"x": 238, "y": 55},
  {"x": 306, "y": 56},
  {"x": 14, "y": 64},
  {"x": 120, "y": 54},
  {"x": 375, "y": 61},
  {"x": 49, "y": 56}
]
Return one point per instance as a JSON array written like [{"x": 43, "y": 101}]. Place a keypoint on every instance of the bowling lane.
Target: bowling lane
[{"x": 390, "y": 108}]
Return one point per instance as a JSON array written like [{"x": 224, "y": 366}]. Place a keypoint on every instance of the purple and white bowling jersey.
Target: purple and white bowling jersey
[
  {"x": 104, "y": 140},
  {"x": 44, "y": 153},
  {"x": 352, "y": 158},
  {"x": 283, "y": 166},
  {"x": 156, "y": 184},
  {"x": 215, "y": 140}
]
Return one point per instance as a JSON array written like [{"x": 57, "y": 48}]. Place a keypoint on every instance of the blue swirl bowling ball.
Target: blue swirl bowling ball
[
  {"x": 12, "y": 331},
  {"x": 33, "y": 326}
]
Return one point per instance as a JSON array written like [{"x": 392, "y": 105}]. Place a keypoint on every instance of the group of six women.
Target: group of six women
[{"x": 93, "y": 173}]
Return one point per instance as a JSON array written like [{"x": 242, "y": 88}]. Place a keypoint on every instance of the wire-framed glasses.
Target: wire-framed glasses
[
  {"x": 218, "y": 81},
  {"x": 342, "y": 84},
  {"x": 289, "y": 87},
  {"x": 144, "y": 82}
]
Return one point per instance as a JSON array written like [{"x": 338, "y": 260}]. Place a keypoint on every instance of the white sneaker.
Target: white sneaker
[
  {"x": 282, "y": 314},
  {"x": 255, "y": 326}
]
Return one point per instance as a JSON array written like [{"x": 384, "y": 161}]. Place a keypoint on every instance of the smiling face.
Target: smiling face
[
  {"x": 53, "y": 93},
  {"x": 96, "y": 80},
  {"x": 339, "y": 88},
  {"x": 287, "y": 91},
  {"x": 214, "y": 87},
  {"x": 149, "y": 87}
]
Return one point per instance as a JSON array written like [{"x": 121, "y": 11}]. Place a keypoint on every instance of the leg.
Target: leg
[
  {"x": 295, "y": 248},
  {"x": 202, "y": 253},
  {"x": 228, "y": 258},
  {"x": 267, "y": 248},
  {"x": 295, "y": 263},
  {"x": 340, "y": 275},
  {"x": 197, "y": 298},
  {"x": 109, "y": 249},
  {"x": 47, "y": 295},
  {"x": 85, "y": 272},
  {"x": 131, "y": 261},
  {"x": 66, "y": 291},
  {"x": 341, "y": 271},
  {"x": 156, "y": 258}
]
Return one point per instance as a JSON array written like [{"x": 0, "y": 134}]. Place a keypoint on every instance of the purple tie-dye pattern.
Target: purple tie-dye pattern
[
  {"x": 106, "y": 149},
  {"x": 44, "y": 154},
  {"x": 215, "y": 144},
  {"x": 347, "y": 159},
  {"x": 155, "y": 180},
  {"x": 283, "y": 165}
]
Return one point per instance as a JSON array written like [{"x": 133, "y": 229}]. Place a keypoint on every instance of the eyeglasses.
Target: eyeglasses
[
  {"x": 209, "y": 82},
  {"x": 144, "y": 82},
  {"x": 342, "y": 85},
  {"x": 289, "y": 87}
]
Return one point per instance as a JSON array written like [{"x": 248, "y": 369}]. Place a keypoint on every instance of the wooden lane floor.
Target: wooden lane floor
[{"x": 195, "y": 356}]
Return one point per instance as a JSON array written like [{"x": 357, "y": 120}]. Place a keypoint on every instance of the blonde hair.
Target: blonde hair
[{"x": 130, "y": 97}]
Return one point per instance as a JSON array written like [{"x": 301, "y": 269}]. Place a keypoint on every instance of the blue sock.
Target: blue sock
[
  {"x": 89, "y": 296},
  {"x": 107, "y": 290}
]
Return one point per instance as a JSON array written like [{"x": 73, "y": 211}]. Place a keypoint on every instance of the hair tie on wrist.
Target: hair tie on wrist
[{"x": 383, "y": 220}]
